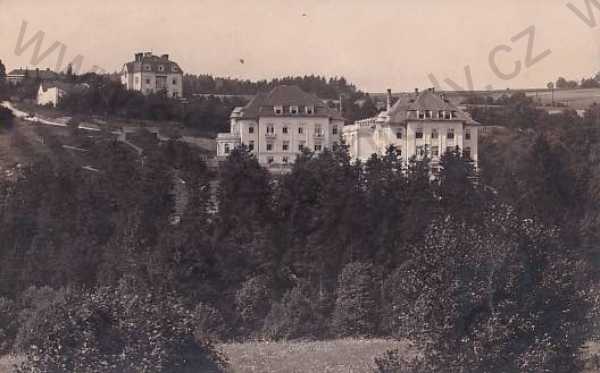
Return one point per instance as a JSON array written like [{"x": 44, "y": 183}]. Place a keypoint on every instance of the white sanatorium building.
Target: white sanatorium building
[
  {"x": 148, "y": 73},
  {"x": 420, "y": 124},
  {"x": 276, "y": 126}
]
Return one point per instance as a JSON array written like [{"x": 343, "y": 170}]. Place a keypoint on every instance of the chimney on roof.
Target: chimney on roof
[
  {"x": 417, "y": 91},
  {"x": 341, "y": 104},
  {"x": 165, "y": 56},
  {"x": 389, "y": 99},
  {"x": 147, "y": 54},
  {"x": 138, "y": 57}
]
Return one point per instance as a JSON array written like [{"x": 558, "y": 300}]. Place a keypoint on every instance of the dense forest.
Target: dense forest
[{"x": 481, "y": 270}]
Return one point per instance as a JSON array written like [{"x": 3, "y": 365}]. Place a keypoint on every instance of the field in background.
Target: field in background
[{"x": 336, "y": 356}]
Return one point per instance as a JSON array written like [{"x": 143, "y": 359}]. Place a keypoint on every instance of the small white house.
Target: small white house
[{"x": 52, "y": 92}]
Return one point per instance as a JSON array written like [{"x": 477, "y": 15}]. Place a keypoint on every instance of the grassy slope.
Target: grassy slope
[{"x": 343, "y": 356}]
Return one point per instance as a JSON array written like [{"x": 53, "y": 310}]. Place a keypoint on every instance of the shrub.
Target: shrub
[
  {"x": 356, "y": 306},
  {"x": 209, "y": 323},
  {"x": 8, "y": 325},
  {"x": 116, "y": 330},
  {"x": 6, "y": 118},
  {"x": 296, "y": 316},
  {"x": 253, "y": 303}
]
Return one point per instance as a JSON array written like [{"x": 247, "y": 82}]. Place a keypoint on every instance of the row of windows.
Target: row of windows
[
  {"x": 160, "y": 68},
  {"x": 293, "y": 110},
  {"x": 285, "y": 130},
  {"x": 423, "y": 151},
  {"x": 435, "y": 134},
  {"x": 285, "y": 147},
  {"x": 428, "y": 114},
  {"x": 137, "y": 80}
]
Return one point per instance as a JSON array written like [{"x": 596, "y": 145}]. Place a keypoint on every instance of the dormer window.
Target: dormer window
[
  {"x": 441, "y": 114},
  {"x": 278, "y": 110},
  {"x": 446, "y": 115},
  {"x": 428, "y": 114},
  {"x": 309, "y": 109},
  {"x": 161, "y": 68},
  {"x": 453, "y": 114},
  {"x": 411, "y": 114},
  {"x": 421, "y": 114},
  {"x": 293, "y": 110},
  {"x": 147, "y": 67},
  {"x": 174, "y": 69}
]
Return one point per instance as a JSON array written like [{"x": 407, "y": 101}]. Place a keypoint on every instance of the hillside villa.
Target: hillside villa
[
  {"x": 148, "y": 74},
  {"x": 278, "y": 125},
  {"x": 423, "y": 124}
]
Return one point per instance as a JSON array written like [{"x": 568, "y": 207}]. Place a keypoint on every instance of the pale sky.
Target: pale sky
[{"x": 376, "y": 44}]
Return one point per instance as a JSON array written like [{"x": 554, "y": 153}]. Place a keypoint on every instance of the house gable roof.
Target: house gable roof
[
  {"x": 407, "y": 106},
  {"x": 154, "y": 62},
  {"x": 263, "y": 104}
]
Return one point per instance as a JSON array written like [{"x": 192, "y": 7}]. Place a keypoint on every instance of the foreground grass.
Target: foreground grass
[
  {"x": 8, "y": 362},
  {"x": 342, "y": 355}
]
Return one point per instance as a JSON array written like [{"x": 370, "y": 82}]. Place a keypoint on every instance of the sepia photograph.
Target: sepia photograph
[{"x": 299, "y": 186}]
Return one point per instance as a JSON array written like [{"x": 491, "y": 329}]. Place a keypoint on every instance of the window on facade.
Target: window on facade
[
  {"x": 435, "y": 151},
  {"x": 421, "y": 114},
  {"x": 174, "y": 68},
  {"x": 449, "y": 149},
  {"x": 286, "y": 146},
  {"x": 441, "y": 114},
  {"x": 301, "y": 147},
  {"x": 300, "y": 130},
  {"x": 467, "y": 134},
  {"x": 251, "y": 129},
  {"x": 175, "y": 94},
  {"x": 318, "y": 131},
  {"x": 419, "y": 133},
  {"x": 446, "y": 115},
  {"x": 147, "y": 67},
  {"x": 318, "y": 147},
  {"x": 450, "y": 133},
  {"x": 420, "y": 151},
  {"x": 226, "y": 148},
  {"x": 251, "y": 145},
  {"x": 467, "y": 153},
  {"x": 147, "y": 81},
  {"x": 270, "y": 160},
  {"x": 399, "y": 134},
  {"x": 269, "y": 147},
  {"x": 434, "y": 133},
  {"x": 174, "y": 81},
  {"x": 428, "y": 114},
  {"x": 161, "y": 68},
  {"x": 334, "y": 130},
  {"x": 309, "y": 109},
  {"x": 284, "y": 130},
  {"x": 453, "y": 114},
  {"x": 278, "y": 110},
  {"x": 293, "y": 109},
  {"x": 284, "y": 160},
  {"x": 270, "y": 129}
]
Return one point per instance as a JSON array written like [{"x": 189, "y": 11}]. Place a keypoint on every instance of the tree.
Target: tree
[
  {"x": 116, "y": 330},
  {"x": 2, "y": 73},
  {"x": 502, "y": 296},
  {"x": 356, "y": 306}
]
